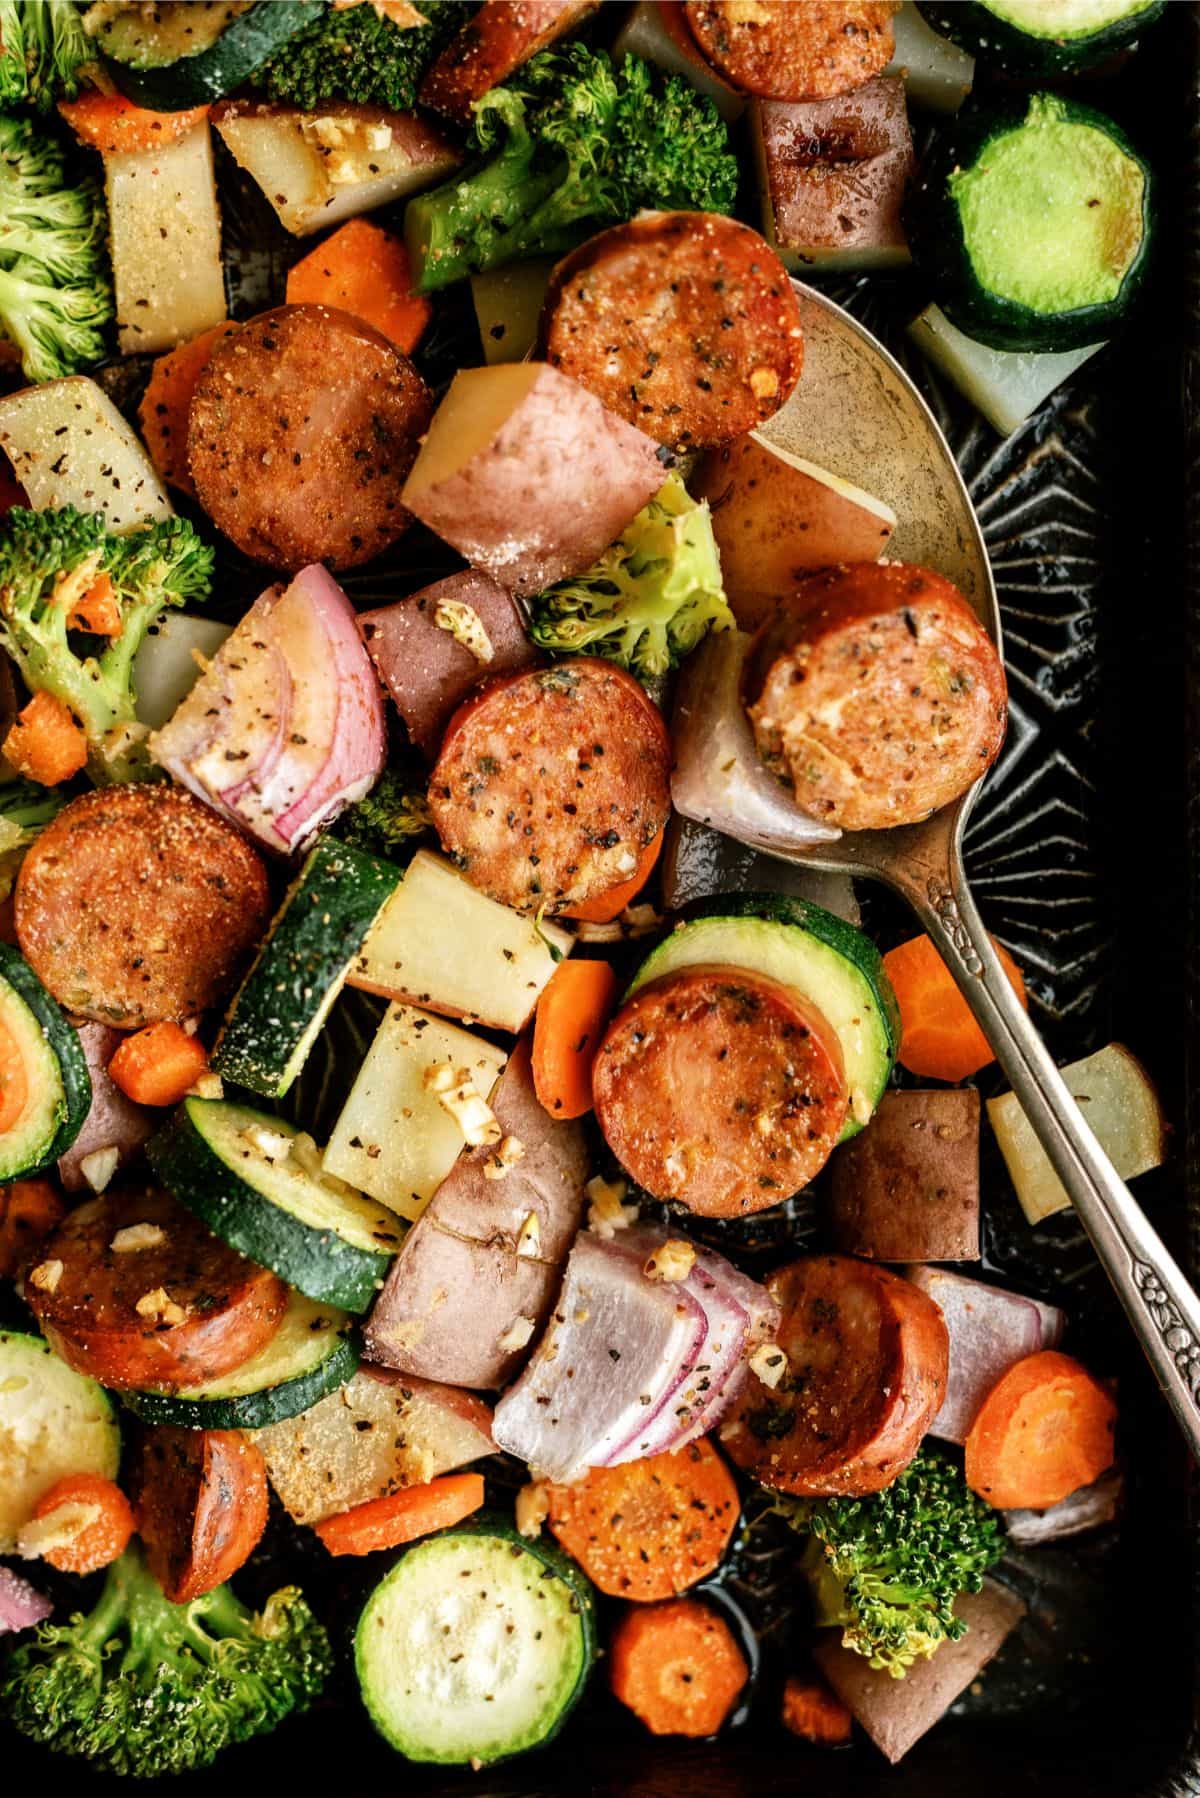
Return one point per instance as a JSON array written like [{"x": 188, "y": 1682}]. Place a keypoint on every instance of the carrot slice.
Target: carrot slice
[
  {"x": 113, "y": 125},
  {"x": 939, "y": 1036},
  {"x": 648, "y": 1529},
  {"x": 159, "y": 1065},
  {"x": 571, "y": 1015},
  {"x": 101, "y": 1539},
  {"x": 364, "y": 270},
  {"x": 47, "y": 742},
  {"x": 1043, "y": 1431},
  {"x": 29, "y": 1209},
  {"x": 163, "y": 412},
  {"x": 678, "y": 1667},
  {"x": 813, "y": 1710},
  {"x": 607, "y": 906},
  {"x": 403, "y": 1516},
  {"x": 98, "y": 610}
]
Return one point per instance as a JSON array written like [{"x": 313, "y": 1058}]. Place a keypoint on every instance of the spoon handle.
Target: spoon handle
[{"x": 1162, "y": 1306}]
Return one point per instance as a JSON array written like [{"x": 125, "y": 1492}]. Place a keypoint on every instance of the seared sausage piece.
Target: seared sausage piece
[
  {"x": 302, "y": 430},
  {"x": 201, "y": 1502},
  {"x": 550, "y": 784},
  {"x": 498, "y": 39},
  {"x": 876, "y": 694},
  {"x": 684, "y": 323},
  {"x": 795, "y": 49},
  {"x": 179, "y": 1310},
  {"x": 721, "y": 1089},
  {"x": 867, "y": 1358},
  {"x": 137, "y": 904}
]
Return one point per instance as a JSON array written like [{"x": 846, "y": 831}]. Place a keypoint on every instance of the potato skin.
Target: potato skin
[
  {"x": 498, "y": 39},
  {"x": 907, "y": 1188},
  {"x": 795, "y": 49}
]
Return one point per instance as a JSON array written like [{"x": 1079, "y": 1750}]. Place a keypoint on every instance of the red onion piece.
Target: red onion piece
[
  {"x": 1086, "y": 1509},
  {"x": 113, "y": 1121},
  {"x": 21, "y": 1606},
  {"x": 990, "y": 1330}
]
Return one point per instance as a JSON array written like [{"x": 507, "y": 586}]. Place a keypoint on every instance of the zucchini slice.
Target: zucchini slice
[
  {"x": 240, "y": 1171},
  {"x": 45, "y": 1087},
  {"x": 1042, "y": 37},
  {"x": 1031, "y": 220},
  {"x": 184, "y": 53},
  {"x": 819, "y": 955},
  {"x": 300, "y": 970},
  {"x": 476, "y": 1646},
  {"x": 53, "y": 1421},
  {"x": 310, "y": 1354}
]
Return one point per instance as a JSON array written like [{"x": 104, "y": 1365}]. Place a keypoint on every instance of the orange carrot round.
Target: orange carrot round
[
  {"x": 364, "y": 270},
  {"x": 163, "y": 412},
  {"x": 403, "y": 1516},
  {"x": 98, "y": 1542},
  {"x": 610, "y": 904},
  {"x": 813, "y": 1711},
  {"x": 29, "y": 1209},
  {"x": 571, "y": 1016},
  {"x": 678, "y": 1667},
  {"x": 939, "y": 1038},
  {"x": 1043, "y": 1431},
  {"x": 648, "y": 1529},
  {"x": 159, "y": 1065},
  {"x": 112, "y": 125}
]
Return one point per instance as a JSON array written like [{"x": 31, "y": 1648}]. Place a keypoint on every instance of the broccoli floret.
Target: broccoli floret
[
  {"x": 358, "y": 54},
  {"x": 42, "y": 48},
  {"x": 649, "y": 599},
  {"x": 48, "y": 561},
  {"x": 25, "y": 810},
  {"x": 143, "y": 1687},
  {"x": 55, "y": 290},
  {"x": 889, "y": 1567},
  {"x": 393, "y": 817},
  {"x": 570, "y": 144}
]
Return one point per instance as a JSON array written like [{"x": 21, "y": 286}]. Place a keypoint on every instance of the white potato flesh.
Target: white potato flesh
[
  {"x": 1008, "y": 386},
  {"x": 165, "y": 232},
  {"x": 69, "y": 446}
]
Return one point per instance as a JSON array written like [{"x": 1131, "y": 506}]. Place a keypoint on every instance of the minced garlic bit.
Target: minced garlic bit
[
  {"x": 519, "y": 1332},
  {"x": 138, "y": 1236},
  {"x": 607, "y": 1211},
  {"x": 466, "y": 627},
  {"x": 457, "y": 1093},
  {"x": 673, "y": 1261},
  {"x": 768, "y": 1363},
  {"x": 207, "y": 1086},
  {"x": 400, "y": 12},
  {"x": 99, "y": 1167},
  {"x": 275, "y": 1145},
  {"x": 511, "y": 1150},
  {"x": 634, "y": 921},
  {"x": 309, "y": 1158},
  {"x": 532, "y": 1508},
  {"x": 159, "y": 1305},
  {"x": 58, "y": 1529},
  {"x": 46, "y": 1275},
  {"x": 345, "y": 144},
  {"x": 529, "y": 1237},
  {"x": 861, "y": 1108}
]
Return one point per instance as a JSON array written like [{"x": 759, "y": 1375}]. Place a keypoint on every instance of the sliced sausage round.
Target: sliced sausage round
[
  {"x": 876, "y": 694},
  {"x": 684, "y": 323},
  {"x": 867, "y": 1356},
  {"x": 302, "y": 430},
  {"x": 721, "y": 1089},
  {"x": 166, "y": 1308},
  {"x": 137, "y": 903},
  {"x": 550, "y": 784},
  {"x": 785, "y": 50},
  {"x": 201, "y": 1502}
]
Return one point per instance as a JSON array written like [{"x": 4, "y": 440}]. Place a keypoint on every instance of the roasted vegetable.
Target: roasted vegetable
[
  {"x": 24, "y": 809},
  {"x": 42, "y": 44},
  {"x": 357, "y": 53},
  {"x": 393, "y": 818}
]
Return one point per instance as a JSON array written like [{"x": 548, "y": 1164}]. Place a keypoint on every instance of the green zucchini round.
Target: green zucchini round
[
  {"x": 60, "y": 1087},
  {"x": 191, "y": 52},
  {"x": 1053, "y": 37},
  {"x": 1002, "y": 202}
]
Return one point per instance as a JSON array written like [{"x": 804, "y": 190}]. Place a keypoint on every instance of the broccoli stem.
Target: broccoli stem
[{"x": 466, "y": 226}]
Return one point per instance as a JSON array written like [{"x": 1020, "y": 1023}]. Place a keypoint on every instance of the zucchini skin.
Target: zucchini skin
[
  {"x": 63, "y": 1041},
  {"x": 247, "y": 42},
  {"x": 934, "y": 229},
  {"x": 1015, "y": 52},
  {"x": 250, "y": 1410}
]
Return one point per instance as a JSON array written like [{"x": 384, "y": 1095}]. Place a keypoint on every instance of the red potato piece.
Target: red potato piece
[
  {"x": 907, "y": 1188},
  {"x": 683, "y": 323},
  {"x": 201, "y": 1502},
  {"x": 790, "y": 51},
  {"x": 425, "y": 668},
  {"x": 867, "y": 1361},
  {"x": 113, "y": 1121},
  {"x": 720, "y": 1089},
  {"x": 896, "y": 1713},
  {"x": 527, "y": 475},
  {"x": 205, "y": 1308},
  {"x": 496, "y": 40},
  {"x": 876, "y": 695},
  {"x": 302, "y": 430},
  {"x": 551, "y": 783},
  {"x": 137, "y": 904}
]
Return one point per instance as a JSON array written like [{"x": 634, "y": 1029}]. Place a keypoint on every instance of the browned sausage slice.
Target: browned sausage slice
[
  {"x": 166, "y": 1308},
  {"x": 302, "y": 430},
  {"x": 137, "y": 904},
  {"x": 498, "y": 39},
  {"x": 201, "y": 1501},
  {"x": 550, "y": 784},
  {"x": 684, "y": 323},
  {"x": 876, "y": 694},
  {"x": 867, "y": 1356},
  {"x": 795, "y": 49},
  {"x": 721, "y": 1089}
]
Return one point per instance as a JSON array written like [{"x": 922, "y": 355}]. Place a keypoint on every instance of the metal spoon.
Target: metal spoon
[{"x": 857, "y": 412}]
